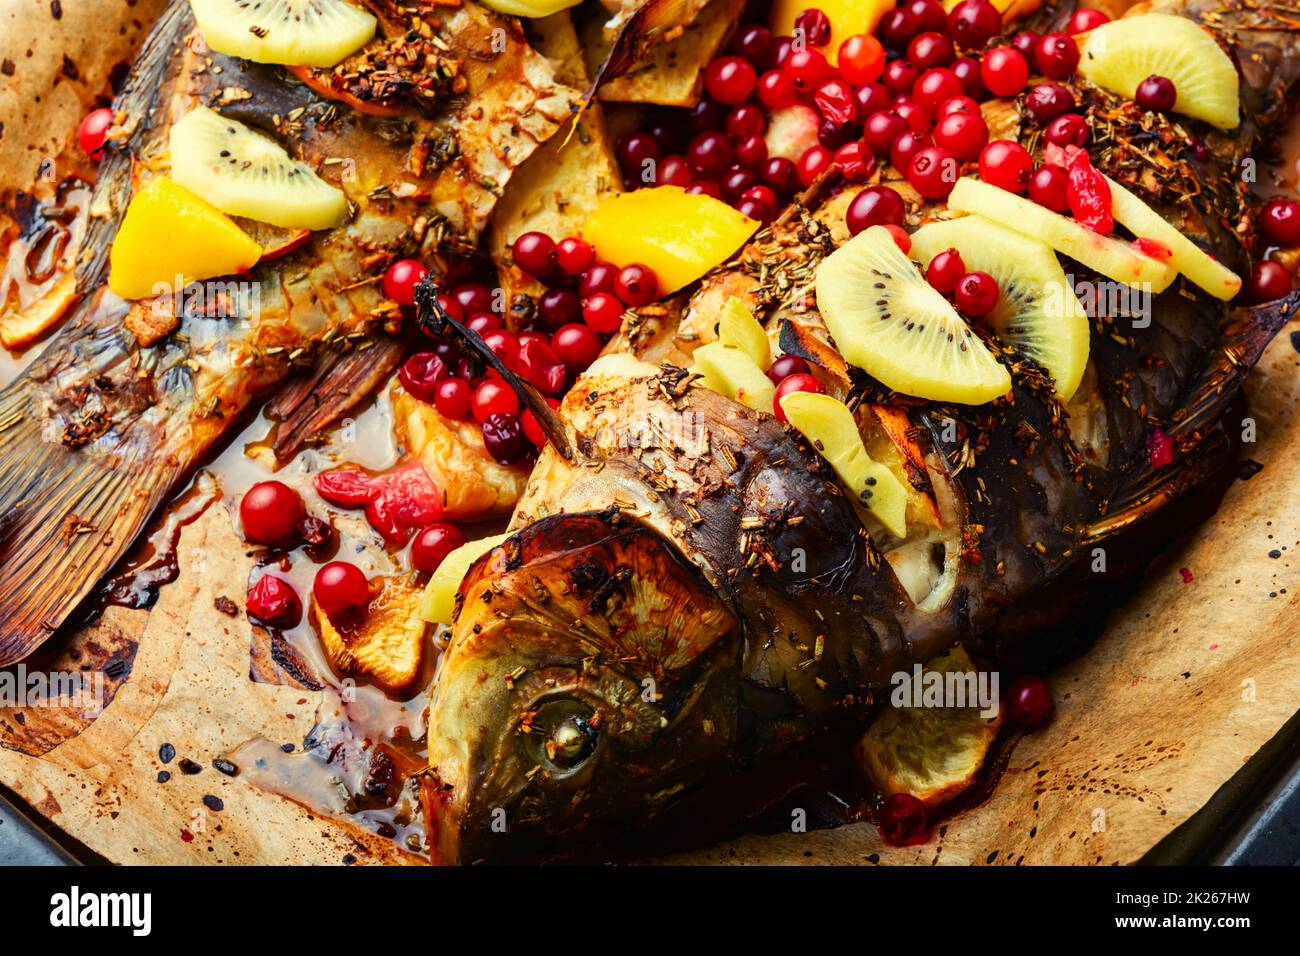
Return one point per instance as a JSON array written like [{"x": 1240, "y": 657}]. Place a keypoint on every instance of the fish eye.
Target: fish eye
[{"x": 560, "y": 736}]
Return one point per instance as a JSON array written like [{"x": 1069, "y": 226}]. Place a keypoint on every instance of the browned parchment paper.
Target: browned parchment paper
[{"x": 1187, "y": 683}]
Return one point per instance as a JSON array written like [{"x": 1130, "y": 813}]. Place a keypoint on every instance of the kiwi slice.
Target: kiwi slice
[
  {"x": 293, "y": 32},
  {"x": 1119, "y": 55},
  {"x": 1038, "y": 312},
  {"x": 890, "y": 322},
  {"x": 244, "y": 173},
  {"x": 830, "y": 426}
]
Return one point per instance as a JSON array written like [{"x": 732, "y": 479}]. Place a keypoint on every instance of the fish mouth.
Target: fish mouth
[{"x": 590, "y": 682}]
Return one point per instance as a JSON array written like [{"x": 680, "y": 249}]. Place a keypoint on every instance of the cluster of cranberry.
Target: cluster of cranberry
[{"x": 274, "y": 515}]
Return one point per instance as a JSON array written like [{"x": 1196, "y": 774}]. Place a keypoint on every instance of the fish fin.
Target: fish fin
[
  {"x": 339, "y": 383},
  {"x": 66, "y": 514},
  {"x": 1192, "y": 428},
  {"x": 113, "y": 177},
  {"x": 431, "y": 317}
]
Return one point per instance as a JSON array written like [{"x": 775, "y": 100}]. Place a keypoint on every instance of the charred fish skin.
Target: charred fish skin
[
  {"x": 1032, "y": 503},
  {"x": 128, "y": 397}
]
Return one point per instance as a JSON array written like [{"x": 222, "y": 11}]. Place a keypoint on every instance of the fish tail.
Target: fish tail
[
  {"x": 1194, "y": 427},
  {"x": 66, "y": 516}
]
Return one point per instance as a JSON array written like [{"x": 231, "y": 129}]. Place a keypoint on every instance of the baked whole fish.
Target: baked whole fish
[
  {"x": 420, "y": 128},
  {"x": 692, "y": 596}
]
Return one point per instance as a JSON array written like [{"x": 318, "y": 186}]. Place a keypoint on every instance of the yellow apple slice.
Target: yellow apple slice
[
  {"x": 439, "y": 601},
  {"x": 1199, "y": 266},
  {"x": 734, "y": 373},
  {"x": 739, "y": 328},
  {"x": 831, "y": 428}
]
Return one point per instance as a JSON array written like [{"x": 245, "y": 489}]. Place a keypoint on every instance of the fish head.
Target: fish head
[{"x": 591, "y": 682}]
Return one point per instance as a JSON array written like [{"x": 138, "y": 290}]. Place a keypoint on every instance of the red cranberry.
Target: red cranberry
[
  {"x": 494, "y": 397},
  {"x": 882, "y": 129},
  {"x": 854, "y": 161},
  {"x": 1049, "y": 187},
  {"x": 1030, "y": 701},
  {"x": 1268, "y": 280},
  {"x": 752, "y": 41},
  {"x": 933, "y": 172},
  {"x": 798, "y": 382},
  {"x": 668, "y": 133},
  {"x": 807, "y": 69},
  {"x": 271, "y": 512},
  {"x": 751, "y": 152},
  {"x": 452, "y": 398},
  {"x": 532, "y": 427},
  {"x": 1085, "y": 19},
  {"x": 710, "y": 153},
  {"x": 1070, "y": 129},
  {"x": 897, "y": 27},
  {"x": 340, "y": 588},
  {"x": 603, "y": 312},
  {"x": 972, "y": 23},
  {"x": 968, "y": 71},
  {"x": 977, "y": 293},
  {"x": 535, "y": 253},
  {"x": 473, "y": 297},
  {"x": 833, "y": 135},
  {"x": 401, "y": 279},
  {"x": 504, "y": 344},
  {"x": 573, "y": 255},
  {"x": 786, "y": 365},
  {"x": 1057, "y": 56},
  {"x": 637, "y": 285},
  {"x": 861, "y": 59},
  {"x": 674, "y": 170},
  {"x": 539, "y": 365},
  {"x": 814, "y": 26},
  {"x": 959, "y": 104},
  {"x": 813, "y": 163},
  {"x": 1004, "y": 71},
  {"x": 755, "y": 210},
  {"x": 963, "y": 134},
  {"x": 433, "y": 544},
  {"x": 421, "y": 373},
  {"x": 838, "y": 101},
  {"x": 874, "y": 206},
  {"x": 900, "y": 77},
  {"x": 1026, "y": 42},
  {"x": 916, "y": 118},
  {"x": 599, "y": 277},
  {"x": 778, "y": 52},
  {"x": 274, "y": 602},
  {"x": 1279, "y": 221},
  {"x": 929, "y": 15},
  {"x": 451, "y": 306},
  {"x": 1156, "y": 93},
  {"x": 907, "y": 146},
  {"x": 903, "y": 820},
  {"x": 746, "y": 120},
  {"x": 93, "y": 132},
  {"x": 1160, "y": 448},
  {"x": 577, "y": 346},
  {"x": 1048, "y": 101},
  {"x": 873, "y": 98},
  {"x": 781, "y": 174},
  {"x": 929, "y": 50},
  {"x": 1007, "y": 165},
  {"x": 636, "y": 153},
  {"x": 765, "y": 197},
  {"x": 945, "y": 270},
  {"x": 935, "y": 87},
  {"x": 482, "y": 323},
  {"x": 730, "y": 79},
  {"x": 504, "y": 439},
  {"x": 706, "y": 187},
  {"x": 558, "y": 307},
  {"x": 705, "y": 115},
  {"x": 776, "y": 89}
]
